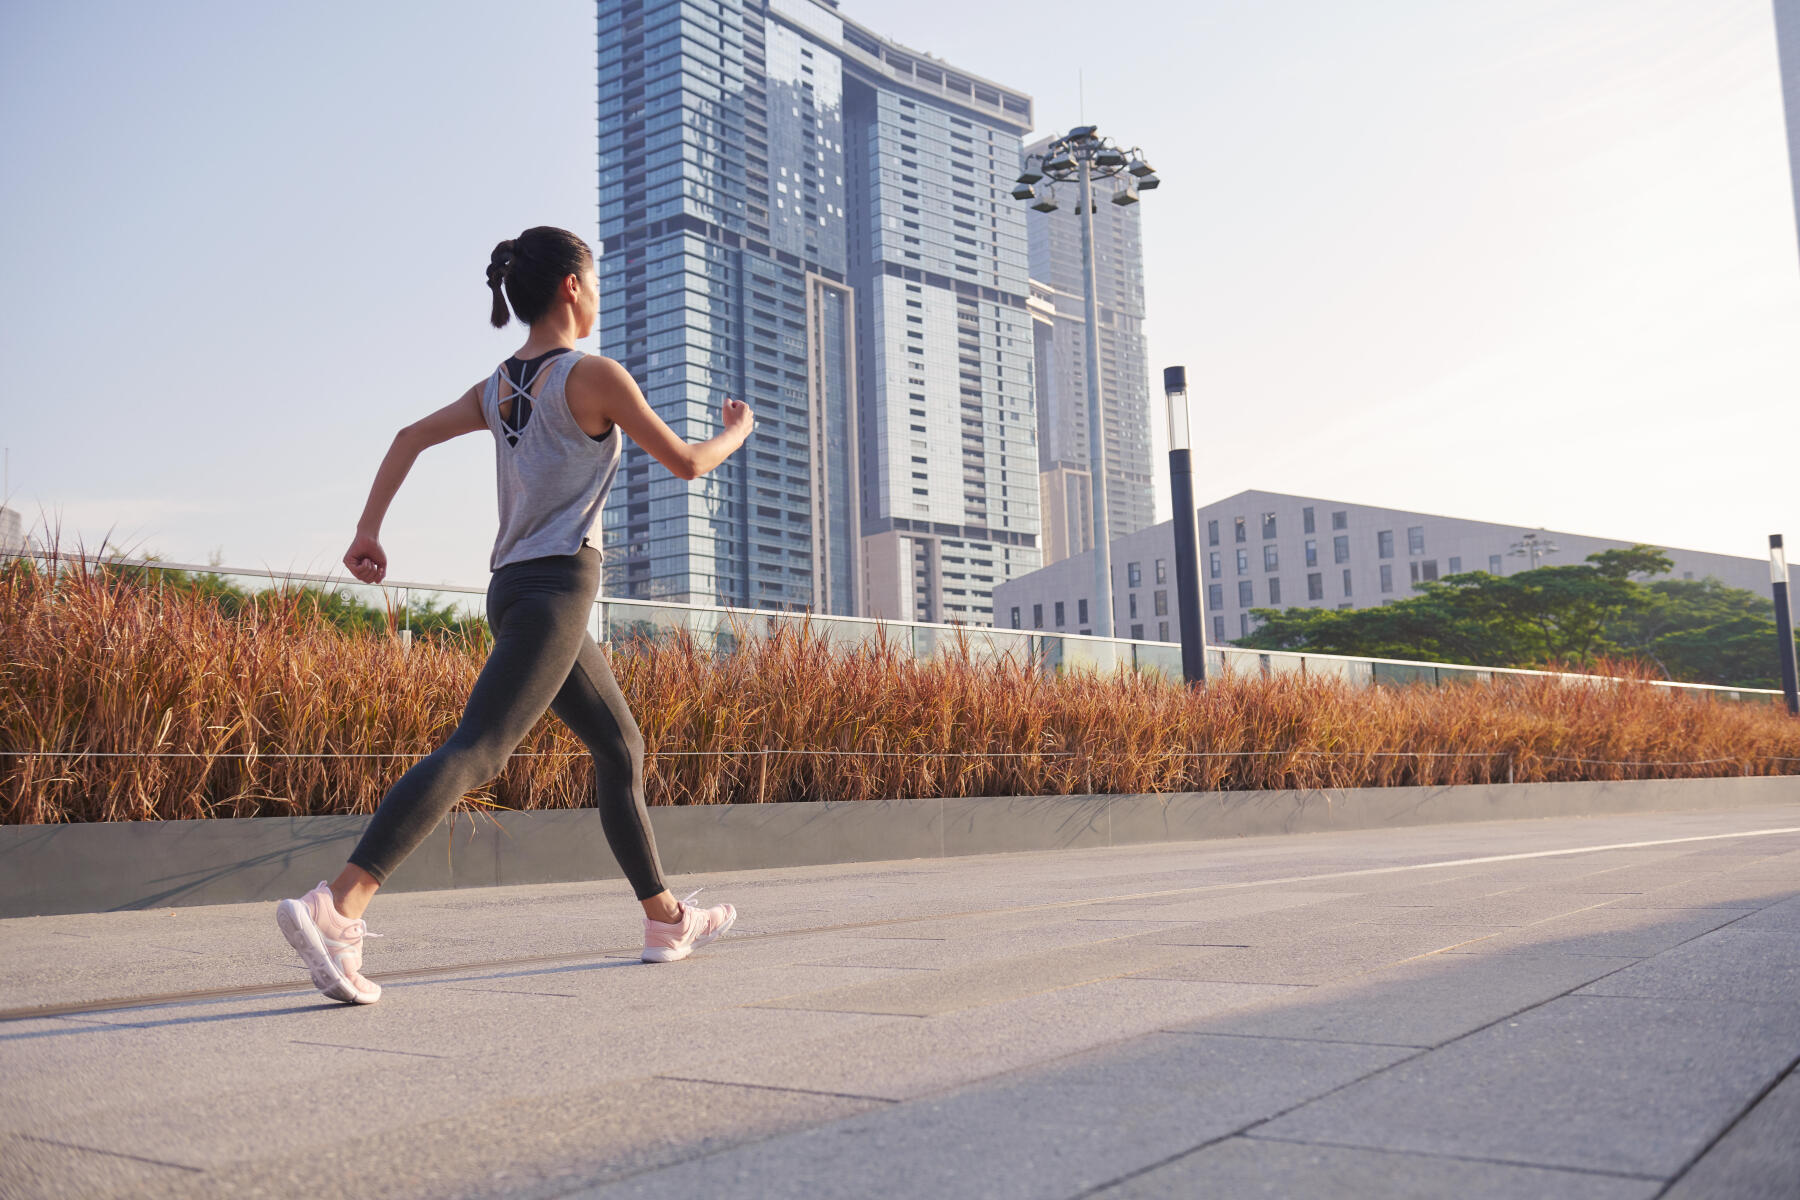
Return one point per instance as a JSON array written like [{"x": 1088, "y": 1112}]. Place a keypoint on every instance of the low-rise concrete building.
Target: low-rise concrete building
[{"x": 1268, "y": 550}]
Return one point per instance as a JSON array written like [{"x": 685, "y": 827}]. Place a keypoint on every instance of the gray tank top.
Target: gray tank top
[{"x": 553, "y": 478}]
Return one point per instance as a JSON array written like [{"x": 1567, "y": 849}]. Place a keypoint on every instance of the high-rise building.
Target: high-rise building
[
  {"x": 939, "y": 263},
  {"x": 799, "y": 213},
  {"x": 1059, "y": 310},
  {"x": 1787, "y": 42}
]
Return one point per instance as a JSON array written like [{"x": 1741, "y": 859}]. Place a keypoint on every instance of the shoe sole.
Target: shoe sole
[
  {"x": 302, "y": 933},
  {"x": 668, "y": 954}
]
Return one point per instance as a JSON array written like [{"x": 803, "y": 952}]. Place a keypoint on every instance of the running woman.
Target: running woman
[{"x": 555, "y": 415}]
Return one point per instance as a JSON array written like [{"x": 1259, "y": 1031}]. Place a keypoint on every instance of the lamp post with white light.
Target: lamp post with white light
[
  {"x": 1187, "y": 531},
  {"x": 1082, "y": 155},
  {"x": 1533, "y": 546},
  {"x": 1784, "y": 624}
]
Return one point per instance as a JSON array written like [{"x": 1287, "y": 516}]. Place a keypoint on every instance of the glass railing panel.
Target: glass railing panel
[
  {"x": 1401, "y": 674},
  {"x": 627, "y": 623},
  {"x": 1158, "y": 658},
  {"x": 1099, "y": 655}
]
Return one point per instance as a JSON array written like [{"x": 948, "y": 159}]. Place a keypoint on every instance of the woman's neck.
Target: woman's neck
[{"x": 554, "y": 330}]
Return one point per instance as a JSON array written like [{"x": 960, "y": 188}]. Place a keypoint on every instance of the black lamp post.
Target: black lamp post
[
  {"x": 1187, "y": 531},
  {"x": 1784, "y": 623}
]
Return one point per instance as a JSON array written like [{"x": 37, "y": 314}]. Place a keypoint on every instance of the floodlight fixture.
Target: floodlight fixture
[
  {"x": 1024, "y": 191},
  {"x": 1030, "y": 176},
  {"x": 1109, "y": 156},
  {"x": 1148, "y": 183},
  {"x": 1062, "y": 161},
  {"x": 1045, "y": 204},
  {"x": 1140, "y": 168}
]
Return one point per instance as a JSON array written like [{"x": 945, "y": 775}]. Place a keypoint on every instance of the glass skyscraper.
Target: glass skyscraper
[
  {"x": 1059, "y": 309},
  {"x": 800, "y": 214}
]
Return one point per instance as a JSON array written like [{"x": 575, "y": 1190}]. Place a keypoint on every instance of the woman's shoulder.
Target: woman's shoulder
[{"x": 596, "y": 368}]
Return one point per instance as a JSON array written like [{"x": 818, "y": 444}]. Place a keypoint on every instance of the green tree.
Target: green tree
[{"x": 1608, "y": 607}]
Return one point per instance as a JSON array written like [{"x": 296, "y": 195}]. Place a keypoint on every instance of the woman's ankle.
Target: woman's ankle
[{"x": 664, "y": 909}]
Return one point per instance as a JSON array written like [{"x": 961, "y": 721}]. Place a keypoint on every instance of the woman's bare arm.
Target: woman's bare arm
[
  {"x": 602, "y": 391},
  {"x": 365, "y": 558}
]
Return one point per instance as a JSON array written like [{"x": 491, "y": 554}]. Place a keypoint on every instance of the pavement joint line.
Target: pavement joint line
[
  {"x": 1469, "y": 1158},
  {"x": 370, "y": 1049},
  {"x": 1780, "y": 1078},
  {"x": 1245, "y": 1130},
  {"x": 854, "y": 1012},
  {"x": 773, "y": 1087},
  {"x": 514, "y": 992},
  {"x": 155, "y": 1162},
  {"x": 1288, "y": 1037},
  {"x": 52, "y": 1010}
]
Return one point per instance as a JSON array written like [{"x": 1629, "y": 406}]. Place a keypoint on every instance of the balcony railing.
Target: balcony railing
[{"x": 721, "y": 629}]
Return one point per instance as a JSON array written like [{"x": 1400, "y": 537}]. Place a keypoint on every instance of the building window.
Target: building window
[
  {"x": 1213, "y": 563},
  {"x": 1059, "y": 614},
  {"x": 1340, "y": 548},
  {"x": 1215, "y": 596},
  {"x": 1162, "y": 570},
  {"x": 1274, "y": 593},
  {"x": 1346, "y": 581},
  {"x": 1306, "y": 520},
  {"x": 1429, "y": 570},
  {"x": 1493, "y": 564},
  {"x": 1162, "y": 631},
  {"x": 1037, "y": 616},
  {"x": 1415, "y": 539},
  {"x": 1239, "y": 533},
  {"x": 1415, "y": 571},
  {"x": 1212, "y": 532},
  {"x": 1081, "y": 612},
  {"x": 1131, "y": 599},
  {"x": 1134, "y": 574},
  {"x": 1456, "y": 566},
  {"x": 1387, "y": 578},
  {"x": 1312, "y": 552},
  {"x": 1246, "y": 597},
  {"x": 1015, "y": 616},
  {"x": 1315, "y": 586},
  {"x": 1243, "y": 562},
  {"x": 1345, "y": 607},
  {"x": 1243, "y": 624},
  {"x": 1160, "y": 603},
  {"x": 1218, "y": 628},
  {"x": 1271, "y": 558},
  {"x": 1340, "y": 520},
  {"x": 1137, "y": 633},
  {"x": 1268, "y": 524}
]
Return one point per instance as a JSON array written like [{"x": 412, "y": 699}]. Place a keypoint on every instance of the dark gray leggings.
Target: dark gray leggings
[{"x": 542, "y": 658}]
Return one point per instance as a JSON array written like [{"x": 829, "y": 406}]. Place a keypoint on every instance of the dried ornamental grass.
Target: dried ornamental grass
[{"x": 277, "y": 712}]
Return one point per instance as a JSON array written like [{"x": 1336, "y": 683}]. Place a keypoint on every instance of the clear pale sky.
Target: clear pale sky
[{"x": 1526, "y": 261}]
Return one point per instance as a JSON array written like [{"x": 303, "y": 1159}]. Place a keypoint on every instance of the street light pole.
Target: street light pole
[
  {"x": 1082, "y": 156},
  {"x": 1096, "y": 422},
  {"x": 1784, "y": 624},
  {"x": 1186, "y": 526}
]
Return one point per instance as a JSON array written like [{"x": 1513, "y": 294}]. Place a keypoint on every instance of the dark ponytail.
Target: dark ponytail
[{"x": 531, "y": 267}]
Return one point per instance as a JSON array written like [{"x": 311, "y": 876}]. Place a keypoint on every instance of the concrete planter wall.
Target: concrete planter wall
[{"x": 150, "y": 864}]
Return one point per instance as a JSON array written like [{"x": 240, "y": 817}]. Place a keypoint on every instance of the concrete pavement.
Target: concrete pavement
[{"x": 1604, "y": 1007}]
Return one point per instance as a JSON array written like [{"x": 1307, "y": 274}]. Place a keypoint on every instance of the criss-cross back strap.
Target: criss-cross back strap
[{"x": 520, "y": 396}]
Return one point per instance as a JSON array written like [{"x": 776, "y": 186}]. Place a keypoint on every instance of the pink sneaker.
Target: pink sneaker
[
  {"x": 666, "y": 941},
  {"x": 330, "y": 944}
]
